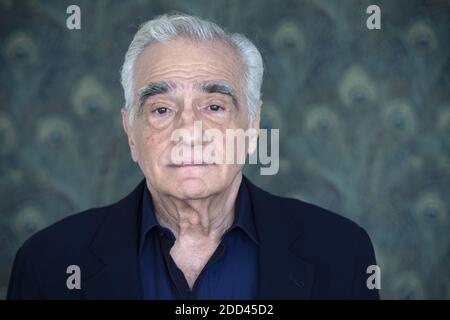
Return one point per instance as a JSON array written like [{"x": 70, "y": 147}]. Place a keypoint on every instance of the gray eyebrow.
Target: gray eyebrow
[
  {"x": 222, "y": 88},
  {"x": 153, "y": 89}
]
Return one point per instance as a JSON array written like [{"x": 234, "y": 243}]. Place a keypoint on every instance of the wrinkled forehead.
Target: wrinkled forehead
[{"x": 187, "y": 63}]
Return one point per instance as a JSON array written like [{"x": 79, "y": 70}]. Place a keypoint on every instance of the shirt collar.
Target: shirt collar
[
  {"x": 244, "y": 216},
  {"x": 148, "y": 218}
]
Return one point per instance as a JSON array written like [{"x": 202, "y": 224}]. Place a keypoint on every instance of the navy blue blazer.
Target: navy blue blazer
[{"x": 305, "y": 252}]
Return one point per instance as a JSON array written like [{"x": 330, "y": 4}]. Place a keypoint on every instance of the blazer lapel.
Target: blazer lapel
[
  {"x": 283, "y": 273},
  {"x": 115, "y": 244}
]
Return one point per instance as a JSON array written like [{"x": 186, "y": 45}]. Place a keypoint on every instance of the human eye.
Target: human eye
[
  {"x": 161, "y": 111},
  {"x": 215, "y": 108}
]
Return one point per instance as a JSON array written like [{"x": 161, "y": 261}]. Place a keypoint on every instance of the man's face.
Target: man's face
[{"x": 176, "y": 84}]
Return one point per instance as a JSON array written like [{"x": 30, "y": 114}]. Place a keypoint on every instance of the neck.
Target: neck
[{"x": 195, "y": 219}]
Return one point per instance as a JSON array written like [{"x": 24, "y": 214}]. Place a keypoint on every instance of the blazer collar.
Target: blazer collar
[
  {"x": 116, "y": 245},
  {"x": 283, "y": 274}
]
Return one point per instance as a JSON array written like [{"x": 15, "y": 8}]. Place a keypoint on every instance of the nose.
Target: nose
[{"x": 191, "y": 127}]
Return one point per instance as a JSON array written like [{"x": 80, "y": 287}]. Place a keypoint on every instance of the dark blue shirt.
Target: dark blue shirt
[{"x": 230, "y": 273}]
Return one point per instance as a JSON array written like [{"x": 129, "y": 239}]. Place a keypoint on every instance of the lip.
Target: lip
[{"x": 186, "y": 165}]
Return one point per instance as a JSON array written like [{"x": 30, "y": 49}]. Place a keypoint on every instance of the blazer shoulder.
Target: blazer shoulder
[
  {"x": 311, "y": 218},
  {"x": 317, "y": 217},
  {"x": 73, "y": 232},
  {"x": 79, "y": 229}
]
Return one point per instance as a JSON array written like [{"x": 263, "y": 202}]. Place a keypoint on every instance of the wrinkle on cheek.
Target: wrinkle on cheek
[
  {"x": 149, "y": 139},
  {"x": 153, "y": 144},
  {"x": 148, "y": 152}
]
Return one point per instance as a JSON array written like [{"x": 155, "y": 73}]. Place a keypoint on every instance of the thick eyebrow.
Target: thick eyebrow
[
  {"x": 222, "y": 88},
  {"x": 153, "y": 89}
]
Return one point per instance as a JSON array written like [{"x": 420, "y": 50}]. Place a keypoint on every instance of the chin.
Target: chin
[
  {"x": 192, "y": 182},
  {"x": 193, "y": 188}
]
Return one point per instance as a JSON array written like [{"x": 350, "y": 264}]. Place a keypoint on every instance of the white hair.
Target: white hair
[{"x": 167, "y": 27}]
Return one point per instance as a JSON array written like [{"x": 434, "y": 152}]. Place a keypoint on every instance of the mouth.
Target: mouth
[{"x": 190, "y": 164}]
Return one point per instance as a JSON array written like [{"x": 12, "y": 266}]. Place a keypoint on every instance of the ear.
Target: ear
[
  {"x": 254, "y": 128},
  {"x": 129, "y": 131}
]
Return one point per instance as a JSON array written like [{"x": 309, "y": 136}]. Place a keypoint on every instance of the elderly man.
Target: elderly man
[{"x": 194, "y": 229}]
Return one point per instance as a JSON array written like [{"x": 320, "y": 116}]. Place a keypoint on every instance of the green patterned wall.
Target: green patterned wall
[{"x": 364, "y": 118}]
